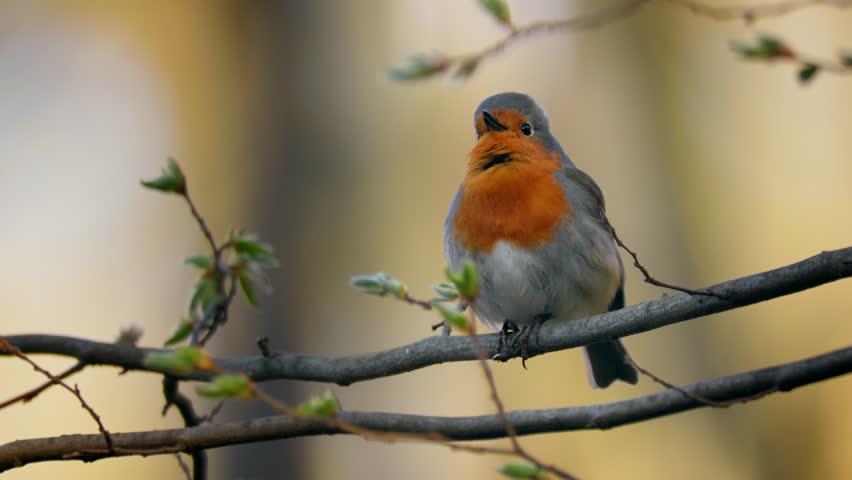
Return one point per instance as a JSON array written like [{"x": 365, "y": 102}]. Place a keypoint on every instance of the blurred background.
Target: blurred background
[{"x": 281, "y": 117}]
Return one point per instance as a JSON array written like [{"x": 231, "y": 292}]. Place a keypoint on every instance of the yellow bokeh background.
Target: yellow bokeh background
[{"x": 279, "y": 112}]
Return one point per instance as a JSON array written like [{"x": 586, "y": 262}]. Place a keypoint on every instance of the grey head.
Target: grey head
[{"x": 528, "y": 107}]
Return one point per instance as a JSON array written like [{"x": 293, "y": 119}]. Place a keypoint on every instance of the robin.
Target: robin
[{"x": 534, "y": 225}]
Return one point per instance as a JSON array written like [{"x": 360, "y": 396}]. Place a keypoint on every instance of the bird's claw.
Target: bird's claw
[
  {"x": 528, "y": 331},
  {"x": 503, "y": 349}
]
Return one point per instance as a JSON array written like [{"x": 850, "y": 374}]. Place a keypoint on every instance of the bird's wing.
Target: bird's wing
[
  {"x": 586, "y": 197},
  {"x": 582, "y": 192}
]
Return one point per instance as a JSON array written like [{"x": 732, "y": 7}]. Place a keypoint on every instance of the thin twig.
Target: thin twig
[
  {"x": 217, "y": 316},
  {"x": 32, "y": 394},
  {"x": 263, "y": 345},
  {"x": 466, "y": 63},
  {"x": 5, "y": 345},
  {"x": 511, "y": 432},
  {"x": 648, "y": 277},
  {"x": 582, "y": 22},
  {"x": 210, "y": 416},
  {"x": 751, "y": 13},
  {"x": 424, "y": 304},
  {"x": 378, "y": 435},
  {"x": 183, "y": 466},
  {"x": 694, "y": 396},
  {"x": 204, "y": 229},
  {"x": 221, "y": 308}
]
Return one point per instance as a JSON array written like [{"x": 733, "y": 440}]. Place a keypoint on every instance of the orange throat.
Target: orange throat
[{"x": 519, "y": 202}]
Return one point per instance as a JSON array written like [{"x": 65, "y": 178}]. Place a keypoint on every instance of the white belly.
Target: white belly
[
  {"x": 515, "y": 286},
  {"x": 519, "y": 284}
]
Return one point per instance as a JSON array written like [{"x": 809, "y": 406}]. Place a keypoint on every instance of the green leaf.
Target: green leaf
[
  {"x": 256, "y": 273},
  {"x": 181, "y": 332},
  {"x": 765, "y": 47},
  {"x": 466, "y": 280},
  {"x": 203, "y": 262},
  {"x": 182, "y": 361},
  {"x": 325, "y": 405},
  {"x": 164, "y": 183},
  {"x": 206, "y": 290},
  {"x": 250, "y": 249},
  {"x": 380, "y": 284},
  {"x": 227, "y": 386},
  {"x": 499, "y": 9},
  {"x": 173, "y": 169},
  {"x": 369, "y": 284},
  {"x": 807, "y": 72},
  {"x": 170, "y": 181},
  {"x": 453, "y": 317},
  {"x": 248, "y": 289},
  {"x": 846, "y": 59},
  {"x": 446, "y": 291},
  {"x": 524, "y": 470},
  {"x": 249, "y": 245},
  {"x": 419, "y": 66},
  {"x": 771, "y": 45}
]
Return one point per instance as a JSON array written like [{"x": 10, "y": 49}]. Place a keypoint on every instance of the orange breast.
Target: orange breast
[{"x": 519, "y": 202}]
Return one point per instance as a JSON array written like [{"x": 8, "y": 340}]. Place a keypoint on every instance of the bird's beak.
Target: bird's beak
[{"x": 492, "y": 122}]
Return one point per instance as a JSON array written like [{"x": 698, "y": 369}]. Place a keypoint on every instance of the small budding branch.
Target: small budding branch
[{"x": 766, "y": 47}]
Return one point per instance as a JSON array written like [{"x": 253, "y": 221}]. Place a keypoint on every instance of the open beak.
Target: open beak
[{"x": 492, "y": 122}]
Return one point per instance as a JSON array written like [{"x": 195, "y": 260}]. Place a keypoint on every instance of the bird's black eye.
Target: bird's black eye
[{"x": 526, "y": 129}]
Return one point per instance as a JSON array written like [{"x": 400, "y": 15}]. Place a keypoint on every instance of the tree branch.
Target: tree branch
[
  {"x": 750, "y": 13},
  {"x": 817, "y": 270},
  {"x": 746, "y": 385}
]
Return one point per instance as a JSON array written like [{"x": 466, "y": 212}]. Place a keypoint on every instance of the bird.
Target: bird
[{"x": 534, "y": 226}]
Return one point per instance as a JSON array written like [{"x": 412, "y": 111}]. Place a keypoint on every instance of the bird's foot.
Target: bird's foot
[
  {"x": 528, "y": 331},
  {"x": 504, "y": 350}
]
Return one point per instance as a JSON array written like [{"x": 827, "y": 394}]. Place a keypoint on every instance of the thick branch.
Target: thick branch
[
  {"x": 604, "y": 416},
  {"x": 820, "y": 269}
]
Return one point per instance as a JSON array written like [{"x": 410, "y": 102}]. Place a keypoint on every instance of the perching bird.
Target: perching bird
[{"x": 534, "y": 226}]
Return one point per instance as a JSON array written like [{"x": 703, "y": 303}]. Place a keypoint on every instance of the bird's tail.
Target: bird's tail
[{"x": 605, "y": 363}]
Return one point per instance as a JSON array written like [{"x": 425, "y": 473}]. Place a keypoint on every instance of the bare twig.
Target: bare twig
[
  {"x": 511, "y": 432},
  {"x": 751, "y": 13},
  {"x": 690, "y": 395},
  {"x": 263, "y": 345},
  {"x": 212, "y": 415},
  {"x": 424, "y": 304},
  {"x": 582, "y": 22},
  {"x": 336, "y": 423},
  {"x": 184, "y": 467},
  {"x": 32, "y": 394},
  {"x": 648, "y": 277},
  {"x": 202, "y": 224},
  {"x": 5, "y": 345}
]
